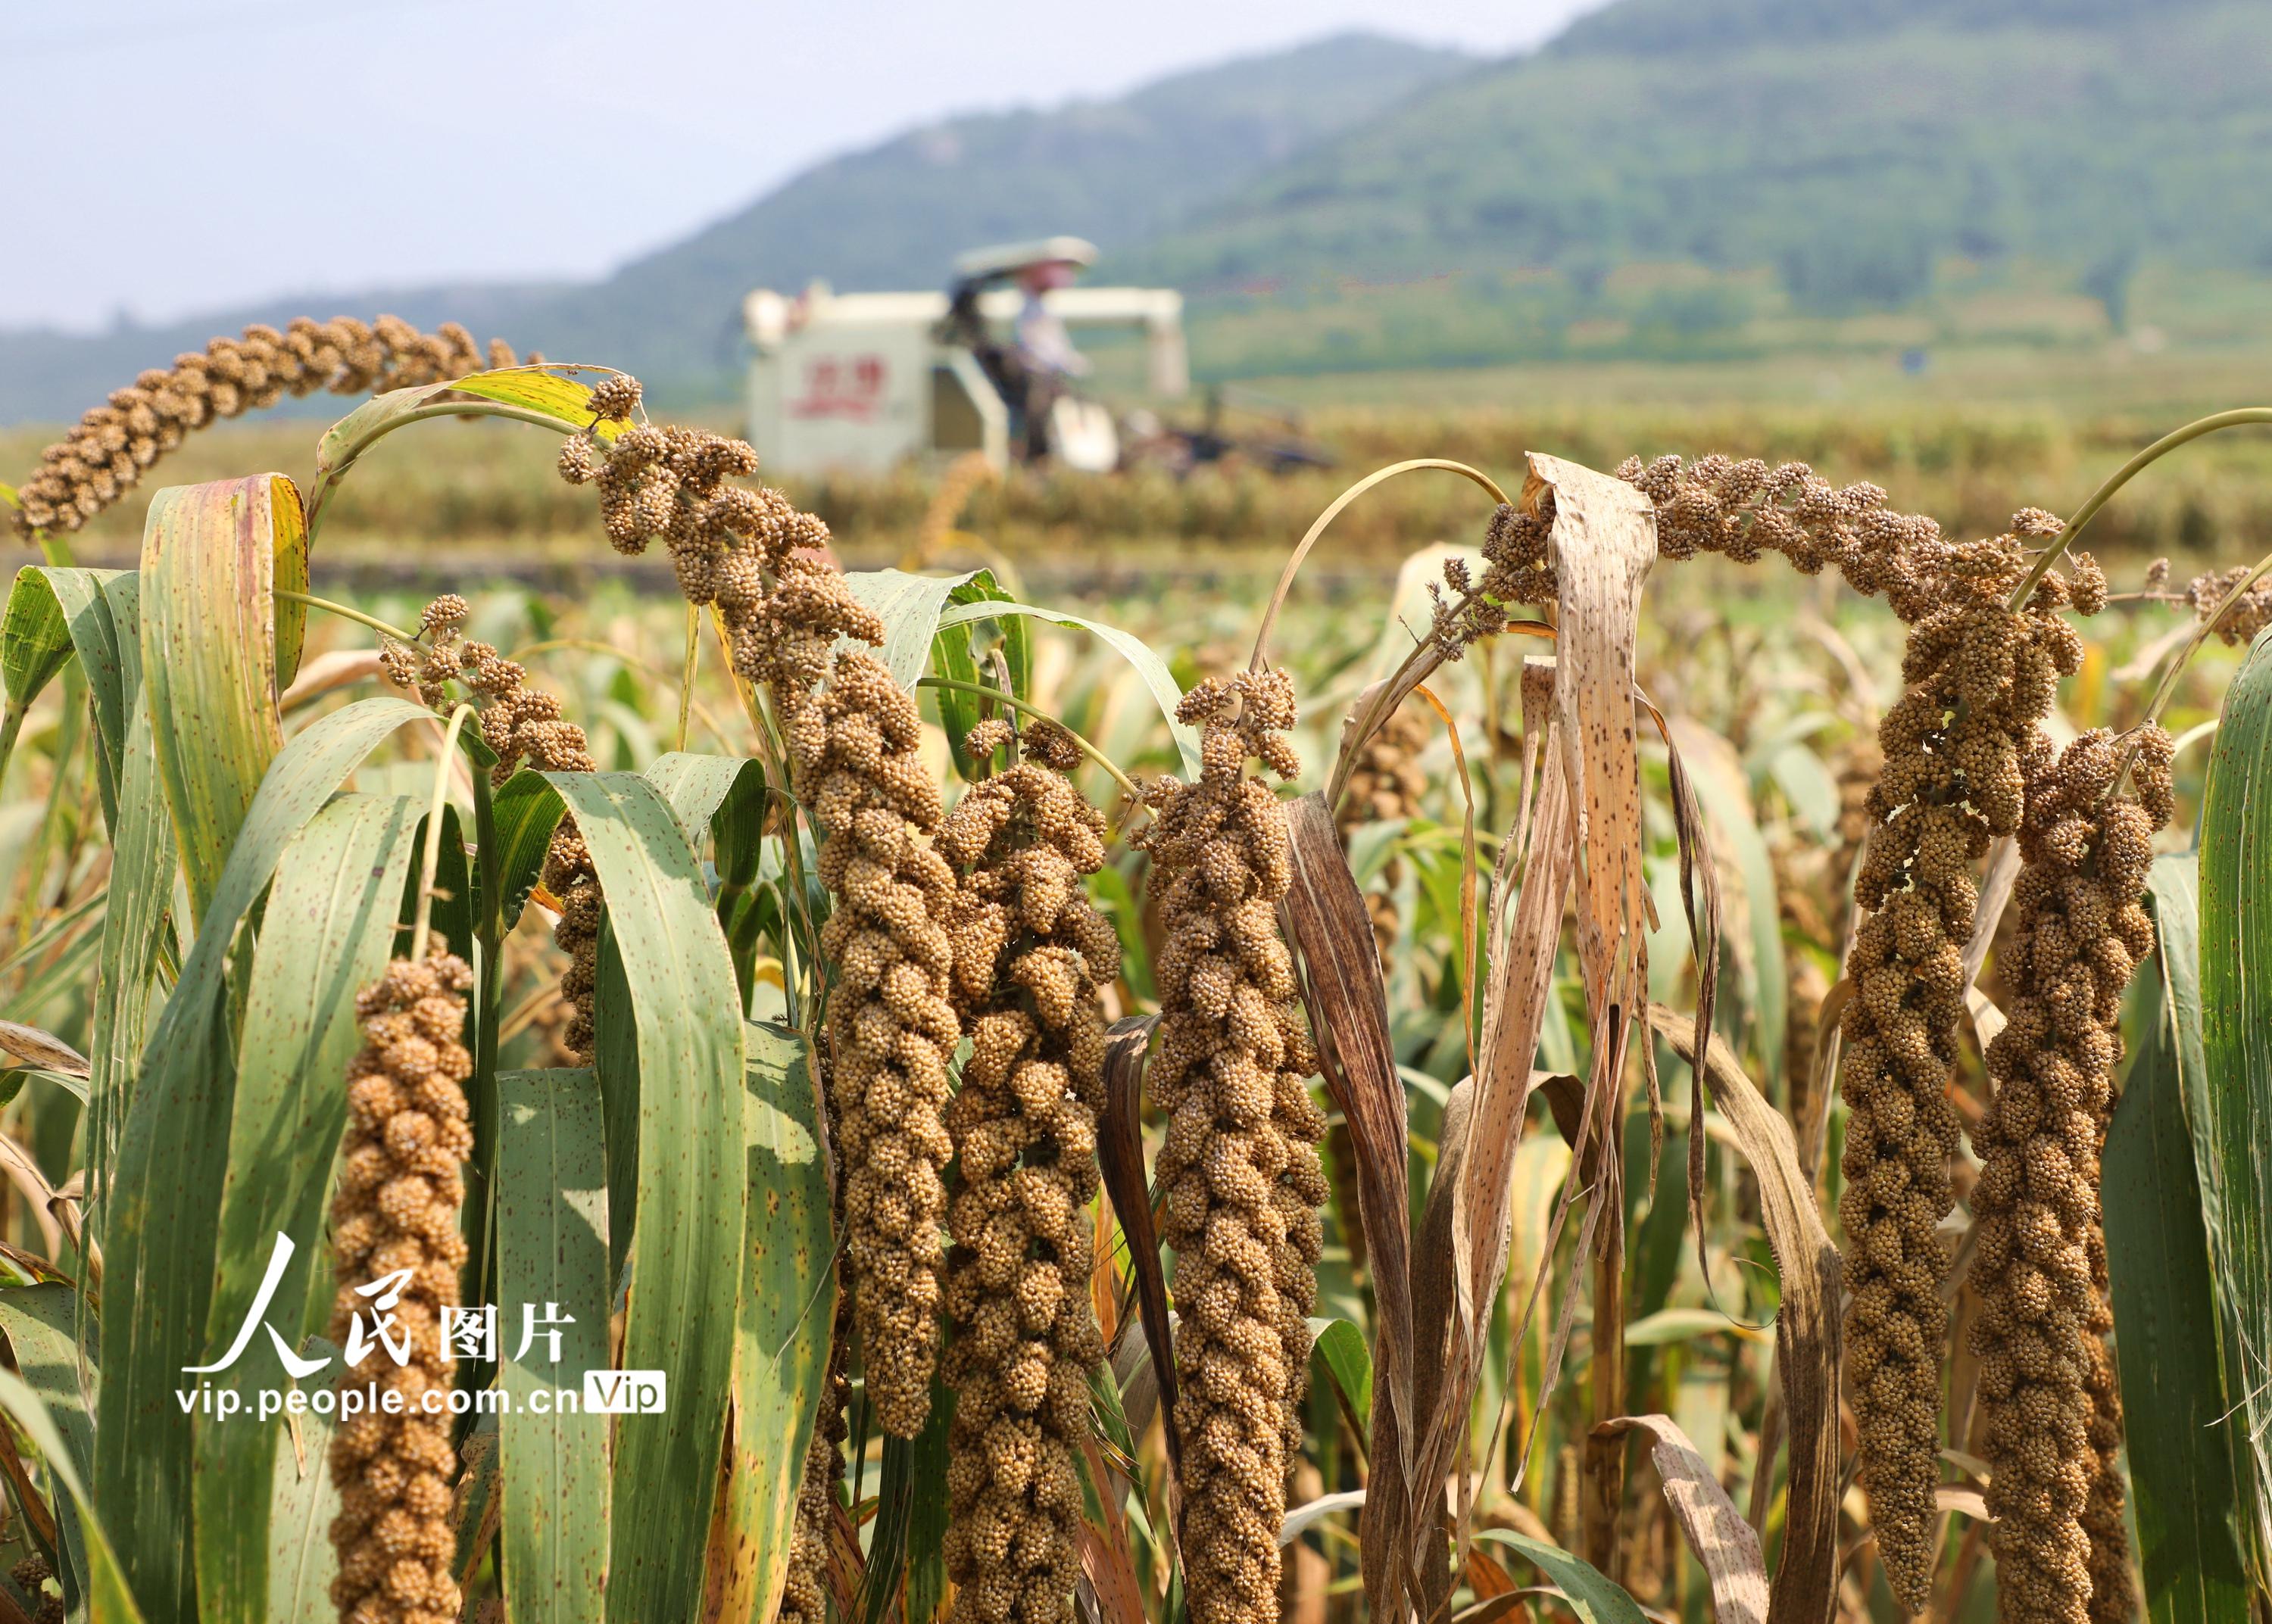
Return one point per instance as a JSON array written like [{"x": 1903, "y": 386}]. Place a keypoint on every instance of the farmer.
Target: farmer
[{"x": 1034, "y": 367}]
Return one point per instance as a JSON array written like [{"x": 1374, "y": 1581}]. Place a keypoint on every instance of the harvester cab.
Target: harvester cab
[{"x": 867, "y": 381}]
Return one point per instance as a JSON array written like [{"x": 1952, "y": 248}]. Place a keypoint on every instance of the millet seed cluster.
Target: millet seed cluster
[
  {"x": 2240, "y": 614},
  {"x": 1980, "y": 677},
  {"x": 853, "y": 734},
  {"x": 32, "y": 1575},
  {"x": 115, "y": 444},
  {"x": 804, "y": 1592},
  {"x": 2052, "y": 1416},
  {"x": 400, "y": 1190},
  {"x": 1240, "y": 1166},
  {"x": 892, "y": 1023},
  {"x": 1031, "y": 957},
  {"x": 523, "y": 724}
]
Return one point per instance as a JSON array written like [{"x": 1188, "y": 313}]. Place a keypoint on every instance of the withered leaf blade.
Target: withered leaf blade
[
  {"x": 1433, "y": 1302},
  {"x": 1604, "y": 542},
  {"x": 36, "y": 1048},
  {"x": 1995, "y": 895},
  {"x": 1565, "y": 1103},
  {"x": 1956, "y": 1497},
  {"x": 1814, "y": 1126},
  {"x": 1339, "y": 966},
  {"x": 1728, "y": 1547},
  {"x": 1807, "y": 1335},
  {"x": 1431, "y": 1256},
  {"x": 1106, "y": 1551},
  {"x": 1300, "y": 1519},
  {"x": 1120, "y": 1158},
  {"x": 1514, "y": 1001}
]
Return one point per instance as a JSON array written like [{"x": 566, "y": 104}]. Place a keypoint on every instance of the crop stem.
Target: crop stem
[
  {"x": 440, "y": 408},
  {"x": 1016, "y": 703},
  {"x": 432, "y": 862},
  {"x": 344, "y": 613},
  {"x": 686, "y": 676},
  {"x": 11, "y": 725},
  {"x": 2166, "y": 689},
  {"x": 2128, "y": 471},
  {"x": 1317, "y": 528}
]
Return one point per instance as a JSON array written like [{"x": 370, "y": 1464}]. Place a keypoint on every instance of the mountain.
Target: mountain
[
  {"x": 1668, "y": 27},
  {"x": 1844, "y": 147},
  {"x": 893, "y": 216}
]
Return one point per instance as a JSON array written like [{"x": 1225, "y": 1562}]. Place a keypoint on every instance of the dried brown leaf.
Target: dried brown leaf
[
  {"x": 36, "y": 1047},
  {"x": 1432, "y": 1254},
  {"x": 1829, "y": 1023},
  {"x": 1807, "y": 1348},
  {"x": 1995, "y": 893},
  {"x": 1727, "y": 1545},
  {"x": 1957, "y": 1497},
  {"x": 1482, "y": 1184},
  {"x": 1565, "y": 1103},
  {"x": 18, "y": 1166},
  {"x": 846, "y": 1572},
  {"x": 1987, "y": 1019},
  {"x": 1484, "y": 1575},
  {"x": 1340, "y": 968},
  {"x": 1537, "y": 690},
  {"x": 1107, "y": 1558},
  {"x": 1120, "y": 1158},
  {"x": 1605, "y": 540}
]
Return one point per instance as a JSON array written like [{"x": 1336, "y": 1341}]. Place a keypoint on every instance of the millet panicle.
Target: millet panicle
[
  {"x": 396, "y": 1213},
  {"x": 2053, "y": 1422},
  {"x": 524, "y": 725},
  {"x": 1240, "y": 1167},
  {"x": 853, "y": 736},
  {"x": 1979, "y": 677},
  {"x": 115, "y": 444},
  {"x": 804, "y": 1593},
  {"x": 1031, "y": 957}
]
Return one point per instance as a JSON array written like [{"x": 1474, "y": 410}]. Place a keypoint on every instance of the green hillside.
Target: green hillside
[
  {"x": 1668, "y": 27},
  {"x": 1793, "y": 158},
  {"x": 895, "y": 216}
]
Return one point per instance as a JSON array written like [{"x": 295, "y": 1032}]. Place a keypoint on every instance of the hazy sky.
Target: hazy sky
[{"x": 173, "y": 155}]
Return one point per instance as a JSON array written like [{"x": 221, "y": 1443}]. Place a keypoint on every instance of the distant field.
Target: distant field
[
  {"x": 1977, "y": 433},
  {"x": 2099, "y": 380}
]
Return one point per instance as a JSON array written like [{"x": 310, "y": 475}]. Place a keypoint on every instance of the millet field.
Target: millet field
[{"x": 1618, "y": 1007}]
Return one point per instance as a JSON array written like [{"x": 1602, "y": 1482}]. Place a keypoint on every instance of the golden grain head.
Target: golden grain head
[{"x": 408, "y": 1134}]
